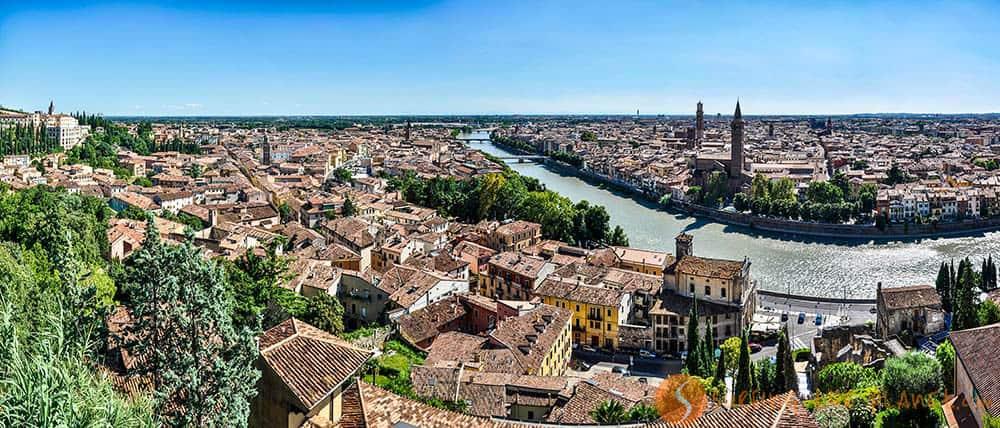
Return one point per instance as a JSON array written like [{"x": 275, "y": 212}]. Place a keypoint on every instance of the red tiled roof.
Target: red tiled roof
[{"x": 310, "y": 362}]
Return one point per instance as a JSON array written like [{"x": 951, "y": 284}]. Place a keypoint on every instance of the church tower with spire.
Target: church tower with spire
[
  {"x": 736, "y": 159},
  {"x": 52, "y": 108}
]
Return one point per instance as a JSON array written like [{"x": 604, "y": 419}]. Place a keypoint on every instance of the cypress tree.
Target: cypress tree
[
  {"x": 720, "y": 370},
  {"x": 693, "y": 361},
  {"x": 984, "y": 270},
  {"x": 742, "y": 388},
  {"x": 943, "y": 286},
  {"x": 784, "y": 374},
  {"x": 708, "y": 351}
]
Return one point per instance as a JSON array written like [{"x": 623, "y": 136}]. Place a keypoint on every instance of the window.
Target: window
[
  {"x": 609, "y": 326},
  {"x": 609, "y": 312},
  {"x": 729, "y": 330},
  {"x": 708, "y": 290},
  {"x": 723, "y": 292},
  {"x": 691, "y": 288},
  {"x": 578, "y": 308},
  {"x": 531, "y": 414}
]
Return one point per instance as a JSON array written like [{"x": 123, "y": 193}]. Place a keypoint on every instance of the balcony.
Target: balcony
[{"x": 595, "y": 316}]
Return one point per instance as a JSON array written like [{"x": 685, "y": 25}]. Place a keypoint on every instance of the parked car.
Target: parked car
[
  {"x": 819, "y": 319},
  {"x": 755, "y": 347},
  {"x": 802, "y": 317},
  {"x": 588, "y": 348},
  {"x": 784, "y": 316},
  {"x": 646, "y": 354},
  {"x": 620, "y": 370},
  {"x": 873, "y": 310}
]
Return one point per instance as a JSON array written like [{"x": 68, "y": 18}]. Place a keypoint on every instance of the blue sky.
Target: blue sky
[{"x": 498, "y": 57}]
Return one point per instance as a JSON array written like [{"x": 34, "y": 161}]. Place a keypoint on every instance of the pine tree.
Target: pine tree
[
  {"x": 693, "y": 361},
  {"x": 202, "y": 369},
  {"x": 742, "y": 386}
]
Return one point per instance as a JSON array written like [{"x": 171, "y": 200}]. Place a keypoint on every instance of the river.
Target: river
[{"x": 804, "y": 266}]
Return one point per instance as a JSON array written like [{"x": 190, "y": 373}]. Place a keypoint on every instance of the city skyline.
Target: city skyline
[{"x": 460, "y": 58}]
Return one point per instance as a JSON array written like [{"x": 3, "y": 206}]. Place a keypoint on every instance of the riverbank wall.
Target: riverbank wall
[
  {"x": 837, "y": 300},
  {"x": 841, "y": 231}
]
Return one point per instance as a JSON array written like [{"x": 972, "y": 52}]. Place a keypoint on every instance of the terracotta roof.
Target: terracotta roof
[
  {"x": 568, "y": 289},
  {"x": 780, "y": 411},
  {"x": 518, "y": 226},
  {"x": 385, "y": 409},
  {"x": 310, "y": 362},
  {"x": 705, "y": 267},
  {"x": 585, "y": 399},
  {"x": 913, "y": 296},
  {"x": 427, "y": 322},
  {"x": 406, "y": 285},
  {"x": 517, "y": 263},
  {"x": 435, "y": 382},
  {"x": 452, "y": 348},
  {"x": 532, "y": 335},
  {"x": 977, "y": 349}
]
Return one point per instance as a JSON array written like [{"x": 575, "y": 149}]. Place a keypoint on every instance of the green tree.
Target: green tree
[
  {"x": 964, "y": 300},
  {"x": 195, "y": 170},
  {"x": 202, "y": 368},
  {"x": 708, "y": 352},
  {"x": 731, "y": 350},
  {"x": 945, "y": 354},
  {"x": 785, "y": 378},
  {"x": 348, "y": 209},
  {"x": 588, "y": 136},
  {"x": 913, "y": 374},
  {"x": 693, "y": 362},
  {"x": 844, "y": 376},
  {"x": 609, "y": 412},
  {"x": 618, "y": 237},
  {"x": 716, "y": 188},
  {"x": 895, "y": 176},
  {"x": 46, "y": 375},
  {"x": 642, "y": 413},
  {"x": 988, "y": 313},
  {"x": 765, "y": 377},
  {"x": 285, "y": 211},
  {"x": 742, "y": 388},
  {"x": 824, "y": 192},
  {"x": 760, "y": 187},
  {"x": 719, "y": 380},
  {"x": 943, "y": 286},
  {"x": 343, "y": 175},
  {"x": 325, "y": 312}
]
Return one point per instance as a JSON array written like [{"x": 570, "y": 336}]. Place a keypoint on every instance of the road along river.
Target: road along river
[{"x": 803, "y": 266}]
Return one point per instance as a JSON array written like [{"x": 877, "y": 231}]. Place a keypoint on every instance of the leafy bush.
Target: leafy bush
[
  {"x": 801, "y": 355},
  {"x": 840, "y": 377},
  {"x": 913, "y": 376},
  {"x": 833, "y": 417}
]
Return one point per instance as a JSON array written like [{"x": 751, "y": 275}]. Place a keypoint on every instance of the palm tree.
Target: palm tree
[
  {"x": 609, "y": 412},
  {"x": 643, "y": 413}
]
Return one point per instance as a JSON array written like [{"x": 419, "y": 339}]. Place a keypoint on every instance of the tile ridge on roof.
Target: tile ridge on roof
[
  {"x": 781, "y": 411},
  {"x": 283, "y": 340}
]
